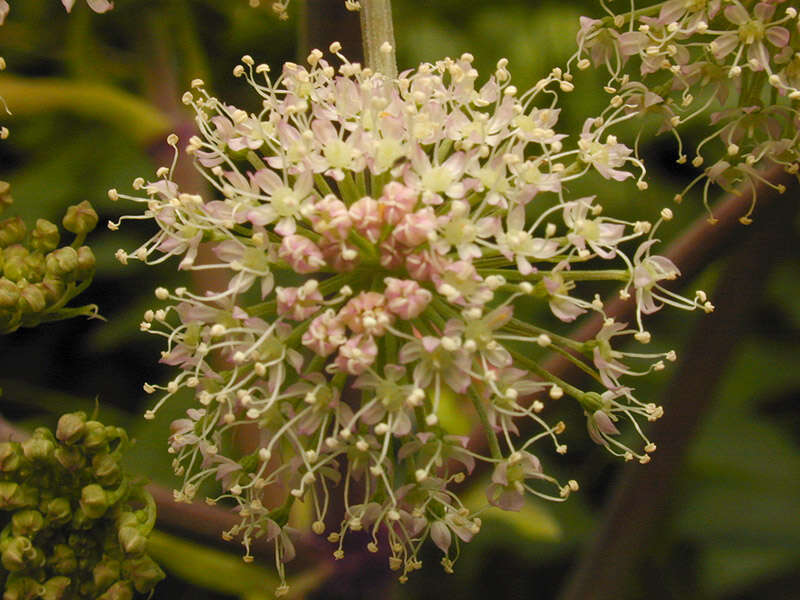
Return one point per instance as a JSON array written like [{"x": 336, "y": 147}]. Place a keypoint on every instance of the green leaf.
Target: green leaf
[
  {"x": 223, "y": 572},
  {"x": 137, "y": 118}
]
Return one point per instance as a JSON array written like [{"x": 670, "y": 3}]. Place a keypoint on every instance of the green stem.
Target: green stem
[
  {"x": 548, "y": 376},
  {"x": 585, "y": 275},
  {"x": 377, "y": 33},
  {"x": 491, "y": 436}
]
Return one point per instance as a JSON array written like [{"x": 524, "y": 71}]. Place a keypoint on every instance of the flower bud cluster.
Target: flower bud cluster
[
  {"x": 38, "y": 277},
  {"x": 382, "y": 238},
  {"x": 735, "y": 60},
  {"x": 73, "y": 525}
]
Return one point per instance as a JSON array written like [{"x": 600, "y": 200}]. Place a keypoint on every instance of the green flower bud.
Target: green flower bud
[
  {"x": 57, "y": 511},
  {"x": 106, "y": 573},
  {"x": 14, "y": 267},
  {"x": 38, "y": 449},
  {"x": 80, "y": 219},
  {"x": 9, "y": 294},
  {"x": 119, "y": 591},
  {"x": 71, "y": 427},
  {"x": 5, "y": 196},
  {"x": 86, "y": 263},
  {"x": 131, "y": 540},
  {"x": 45, "y": 236},
  {"x": 62, "y": 263},
  {"x": 22, "y": 588},
  {"x": 53, "y": 289},
  {"x": 71, "y": 459},
  {"x": 10, "y": 456},
  {"x": 13, "y": 496},
  {"x": 63, "y": 560},
  {"x": 32, "y": 299},
  {"x": 34, "y": 266},
  {"x": 18, "y": 553},
  {"x": 105, "y": 469},
  {"x": 55, "y": 588},
  {"x": 94, "y": 501},
  {"x": 27, "y": 522},
  {"x": 95, "y": 435},
  {"x": 12, "y": 231},
  {"x": 144, "y": 572},
  {"x": 15, "y": 251}
]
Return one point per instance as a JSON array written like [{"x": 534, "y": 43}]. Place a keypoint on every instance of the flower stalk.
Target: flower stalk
[{"x": 377, "y": 34}]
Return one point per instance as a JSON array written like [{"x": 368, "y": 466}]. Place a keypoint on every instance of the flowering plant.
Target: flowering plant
[
  {"x": 401, "y": 247},
  {"x": 382, "y": 237}
]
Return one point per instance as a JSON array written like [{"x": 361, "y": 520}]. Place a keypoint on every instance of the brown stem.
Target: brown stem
[{"x": 641, "y": 496}]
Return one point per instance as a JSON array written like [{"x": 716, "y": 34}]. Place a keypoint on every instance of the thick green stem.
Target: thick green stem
[{"x": 378, "y": 36}]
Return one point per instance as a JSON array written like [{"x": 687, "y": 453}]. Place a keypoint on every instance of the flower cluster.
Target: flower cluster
[
  {"x": 72, "y": 524},
  {"x": 382, "y": 238},
  {"x": 38, "y": 277},
  {"x": 679, "y": 58}
]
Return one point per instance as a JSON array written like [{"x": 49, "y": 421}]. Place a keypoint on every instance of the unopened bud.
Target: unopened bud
[
  {"x": 71, "y": 459},
  {"x": 106, "y": 573},
  {"x": 121, "y": 590},
  {"x": 38, "y": 449},
  {"x": 105, "y": 469},
  {"x": 55, "y": 588},
  {"x": 86, "y": 263},
  {"x": 9, "y": 294},
  {"x": 94, "y": 501},
  {"x": 32, "y": 299},
  {"x": 131, "y": 540},
  {"x": 80, "y": 218},
  {"x": 94, "y": 435},
  {"x": 45, "y": 236},
  {"x": 21, "y": 588},
  {"x": 10, "y": 456},
  {"x": 71, "y": 427},
  {"x": 26, "y": 522},
  {"x": 18, "y": 555},
  {"x": 144, "y": 572},
  {"x": 62, "y": 263},
  {"x": 12, "y": 231},
  {"x": 58, "y": 511}
]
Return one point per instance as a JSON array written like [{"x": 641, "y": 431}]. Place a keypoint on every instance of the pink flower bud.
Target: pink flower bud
[
  {"x": 325, "y": 334},
  {"x": 413, "y": 230},
  {"x": 367, "y": 218},
  {"x": 330, "y": 218},
  {"x": 367, "y": 313},
  {"x": 420, "y": 266},
  {"x": 357, "y": 354},
  {"x": 391, "y": 257},
  {"x": 303, "y": 255},
  {"x": 396, "y": 202},
  {"x": 406, "y": 298},
  {"x": 298, "y": 303}
]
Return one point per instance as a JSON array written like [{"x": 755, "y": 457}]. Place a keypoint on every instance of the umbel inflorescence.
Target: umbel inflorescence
[{"x": 380, "y": 237}]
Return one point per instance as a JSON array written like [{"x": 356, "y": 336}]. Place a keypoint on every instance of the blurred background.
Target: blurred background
[{"x": 93, "y": 98}]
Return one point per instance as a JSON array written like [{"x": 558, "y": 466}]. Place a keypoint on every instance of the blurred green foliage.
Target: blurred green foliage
[{"x": 93, "y": 97}]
